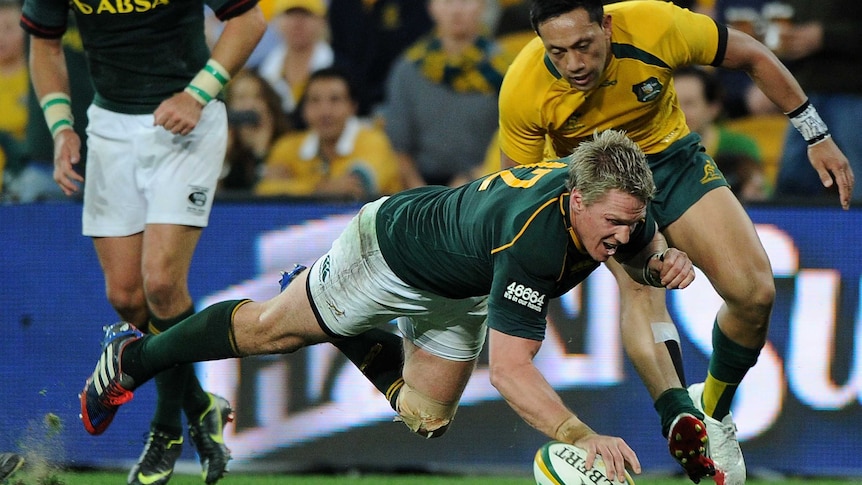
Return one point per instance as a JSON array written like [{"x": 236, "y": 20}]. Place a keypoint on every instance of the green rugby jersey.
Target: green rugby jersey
[
  {"x": 506, "y": 235},
  {"x": 140, "y": 52}
]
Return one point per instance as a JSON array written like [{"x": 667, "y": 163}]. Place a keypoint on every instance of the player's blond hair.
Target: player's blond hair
[{"x": 609, "y": 160}]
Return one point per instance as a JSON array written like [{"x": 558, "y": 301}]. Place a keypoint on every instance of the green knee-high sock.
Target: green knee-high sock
[
  {"x": 378, "y": 354},
  {"x": 672, "y": 403},
  {"x": 171, "y": 383},
  {"x": 195, "y": 400},
  {"x": 727, "y": 366},
  {"x": 206, "y": 335}
]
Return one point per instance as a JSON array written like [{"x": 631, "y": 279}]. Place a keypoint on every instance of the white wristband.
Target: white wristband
[
  {"x": 809, "y": 124},
  {"x": 57, "y": 108},
  {"x": 208, "y": 82}
]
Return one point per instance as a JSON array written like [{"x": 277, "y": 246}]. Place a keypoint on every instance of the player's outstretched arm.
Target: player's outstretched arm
[
  {"x": 778, "y": 84},
  {"x": 532, "y": 397}
]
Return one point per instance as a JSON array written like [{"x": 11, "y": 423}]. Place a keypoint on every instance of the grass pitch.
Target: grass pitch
[{"x": 115, "y": 478}]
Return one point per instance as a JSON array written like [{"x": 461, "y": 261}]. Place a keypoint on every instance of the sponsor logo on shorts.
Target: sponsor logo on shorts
[
  {"x": 710, "y": 172},
  {"x": 324, "y": 269},
  {"x": 197, "y": 199},
  {"x": 524, "y": 296},
  {"x": 647, "y": 90}
]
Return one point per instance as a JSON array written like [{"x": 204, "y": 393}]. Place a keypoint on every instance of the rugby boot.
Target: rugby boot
[
  {"x": 687, "y": 442},
  {"x": 207, "y": 436},
  {"x": 723, "y": 446},
  {"x": 108, "y": 388},
  {"x": 156, "y": 463}
]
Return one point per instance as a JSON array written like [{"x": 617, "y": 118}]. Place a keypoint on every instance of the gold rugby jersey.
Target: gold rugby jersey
[{"x": 649, "y": 39}]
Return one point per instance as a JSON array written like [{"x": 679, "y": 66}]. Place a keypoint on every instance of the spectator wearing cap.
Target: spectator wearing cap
[{"x": 303, "y": 49}]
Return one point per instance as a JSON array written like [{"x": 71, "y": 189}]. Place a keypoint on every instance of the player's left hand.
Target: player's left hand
[
  {"x": 674, "y": 268},
  {"x": 832, "y": 167},
  {"x": 178, "y": 114}
]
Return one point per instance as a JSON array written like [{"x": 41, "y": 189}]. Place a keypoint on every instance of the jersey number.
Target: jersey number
[{"x": 539, "y": 170}]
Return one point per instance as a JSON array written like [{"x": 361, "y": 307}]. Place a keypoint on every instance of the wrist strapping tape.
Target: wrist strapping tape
[
  {"x": 208, "y": 82},
  {"x": 809, "y": 124}
]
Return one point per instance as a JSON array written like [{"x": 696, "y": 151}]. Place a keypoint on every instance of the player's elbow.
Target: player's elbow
[{"x": 502, "y": 375}]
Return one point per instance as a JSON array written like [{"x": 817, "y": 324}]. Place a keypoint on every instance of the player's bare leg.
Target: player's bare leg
[
  {"x": 649, "y": 337},
  {"x": 282, "y": 324},
  {"x": 720, "y": 239},
  {"x": 146, "y": 278},
  {"x": 652, "y": 344},
  {"x": 432, "y": 389},
  {"x": 120, "y": 259}
]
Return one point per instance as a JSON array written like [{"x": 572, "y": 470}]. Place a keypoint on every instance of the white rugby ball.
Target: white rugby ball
[{"x": 558, "y": 463}]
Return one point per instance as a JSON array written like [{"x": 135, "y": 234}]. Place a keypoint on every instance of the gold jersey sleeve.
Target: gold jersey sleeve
[{"x": 540, "y": 113}]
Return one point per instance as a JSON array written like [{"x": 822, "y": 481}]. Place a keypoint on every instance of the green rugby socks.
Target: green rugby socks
[
  {"x": 206, "y": 335},
  {"x": 727, "y": 366},
  {"x": 171, "y": 383}
]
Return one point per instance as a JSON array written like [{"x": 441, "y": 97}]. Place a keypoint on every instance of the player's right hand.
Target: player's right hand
[
  {"x": 178, "y": 114},
  {"x": 67, "y": 153},
  {"x": 675, "y": 269},
  {"x": 615, "y": 452}
]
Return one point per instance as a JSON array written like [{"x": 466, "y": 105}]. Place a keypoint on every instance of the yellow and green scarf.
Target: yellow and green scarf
[{"x": 479, "y": 69}]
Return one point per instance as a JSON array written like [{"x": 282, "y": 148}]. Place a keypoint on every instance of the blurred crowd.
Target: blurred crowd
[{"x": 352, "y": 99}]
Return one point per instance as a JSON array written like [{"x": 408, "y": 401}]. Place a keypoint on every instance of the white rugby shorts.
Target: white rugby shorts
[
  {"x": 140, "y": 174},
  {"x": 353, "y": 290}
]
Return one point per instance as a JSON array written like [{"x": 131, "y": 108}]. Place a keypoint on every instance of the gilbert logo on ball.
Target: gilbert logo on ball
[{"x": 558, "y": 463}]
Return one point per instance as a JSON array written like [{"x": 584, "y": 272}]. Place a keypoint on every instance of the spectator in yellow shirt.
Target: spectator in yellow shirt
[
  {"x": 339, "y": 156},
  {"x": 14, "y": 81}
]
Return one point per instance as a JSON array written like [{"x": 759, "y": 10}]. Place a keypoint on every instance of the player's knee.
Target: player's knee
[
  {"x": 163, "y": 291},
  {"x": 764, "y": 294},
  {"x": 753, "y": 300},
  {"x": 130, "y": 304},
  {"x": 424, "y": 415}
]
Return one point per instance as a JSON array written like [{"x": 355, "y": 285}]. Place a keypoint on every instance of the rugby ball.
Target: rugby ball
[{"x": 558, "y": 463}]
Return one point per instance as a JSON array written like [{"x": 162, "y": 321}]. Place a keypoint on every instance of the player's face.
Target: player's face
[
  {"x": 604, "y": 225},
  {"x": 578, "y": 48},
  {"x": 328, "y": 107}
]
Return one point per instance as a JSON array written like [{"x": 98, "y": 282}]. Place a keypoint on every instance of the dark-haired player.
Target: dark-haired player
[
  {"x": 156, "y": 143},
  {"x": 596, "y": 68}
]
